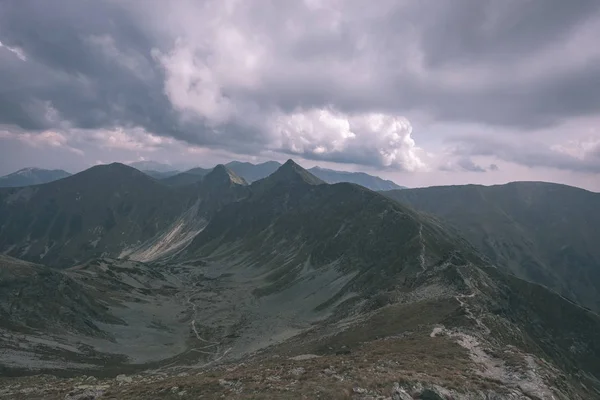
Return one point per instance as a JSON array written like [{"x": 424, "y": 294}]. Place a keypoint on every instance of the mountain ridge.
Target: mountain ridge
[
  {"x": 361, "y": 178},
  {"x": 32, "y": 176},
  {"x": 540, "y": 231},
  {"x": 253, "y": 172},
  {"x": 85, "y": 215}
]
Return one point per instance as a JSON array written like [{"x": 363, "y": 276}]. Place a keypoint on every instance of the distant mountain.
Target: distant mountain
[
  {"x": 542, "y": 232},
  {"x": 188, "y": 177},
  {"x": 254, "y": 172},
  {"x": 152, "y": 166},
  {"x": 160, "y": 175},
  {"x": 32, "y": 176},
  {"x": 99, "y": 211},
  {"x": 221, "y": 176},
  {"x": 360, "y": 178}
]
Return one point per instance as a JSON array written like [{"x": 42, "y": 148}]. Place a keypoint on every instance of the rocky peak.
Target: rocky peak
[
  {"x": 221, "y": 175},
  {"x": 293, "y": 173}
]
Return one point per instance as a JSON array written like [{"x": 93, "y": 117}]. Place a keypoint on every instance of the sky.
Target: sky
[{"x": 427, "y": 92}]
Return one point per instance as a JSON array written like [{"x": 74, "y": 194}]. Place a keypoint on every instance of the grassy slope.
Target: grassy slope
[{"x": 545, "y": 233}]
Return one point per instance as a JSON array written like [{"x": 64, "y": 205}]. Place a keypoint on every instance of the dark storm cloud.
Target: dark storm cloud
[
  {"x": 106, "y": 64},
  {"x": 496, "y": 63},
  {"x": 88, "y": 66},
  {"x": 64, "y": 68},
  {"x": 466, "y": 31}
]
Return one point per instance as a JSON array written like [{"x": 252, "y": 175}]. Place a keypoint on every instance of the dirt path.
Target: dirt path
[{"x": 469, "y": 312}]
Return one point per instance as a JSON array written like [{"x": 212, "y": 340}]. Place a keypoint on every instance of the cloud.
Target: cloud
[
  {"x": 298, "y": 77},
  {"x": 379, "y": 140},
  {"x": 134, "y": 139},
  {"x": 578, "y": 156},
  {"x": 43, "y": 139},
  {"x": 15, "y": 50},
  {"x": 463, "y": 164}
]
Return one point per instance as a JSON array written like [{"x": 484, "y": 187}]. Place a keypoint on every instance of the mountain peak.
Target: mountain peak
[
  {"x": 27, "y": 170},
  {"x": 222, "y": 175},
  {"x": 113, "y": 171},
  {"x": 292, "y": 172},
  {"x": 116, "y": 167}
]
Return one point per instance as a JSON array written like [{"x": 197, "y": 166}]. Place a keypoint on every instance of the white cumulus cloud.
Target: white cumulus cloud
[{"x": 375, "y": 139}]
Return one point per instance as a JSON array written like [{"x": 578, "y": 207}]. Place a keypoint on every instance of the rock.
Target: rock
[
  {"x": 400, "y": 394},
  {"x": 182, "y": 393},
  {"x": 359, "y": 390},
  {"x": 329, "y": 371},
  {"x": 235, "y": 386},
  {"x": 429, "y": 394},
  {"x": 122, "y": 379},
  {"x": 86, "y": 392},
  {"x": 303, "y": 357},
  {"x": 298, "y": 371}
]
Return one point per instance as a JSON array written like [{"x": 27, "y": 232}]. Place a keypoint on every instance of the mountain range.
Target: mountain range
[
  {"x": 288, "y": 286},
  {"x": 32, "y": 176},
  {"x": 253, "y": 172},
  {"x": 175, "y": 177}
]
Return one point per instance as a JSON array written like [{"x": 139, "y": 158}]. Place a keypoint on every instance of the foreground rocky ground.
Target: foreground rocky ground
[
  {"x": 422, "y": 362},
  {"x": 392, "y": 368}
]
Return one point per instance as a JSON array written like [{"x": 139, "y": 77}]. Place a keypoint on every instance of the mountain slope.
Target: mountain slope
[
  {"x": 151, "y": 166},
  {"x": 98, "y": 211},
  {"x": 219, "y": 187},
  {"x": 542, "y": 232},
  {"x": 35, "y": 297},
  {"x": 253, "y": 172},
  {"x": 189, "y": 177},
  {"x": 160, "y": 175},
  {"x": 359, "y": 178},
  {"x": 32, "y": 176},
  {"x": 369, "y": 252}
]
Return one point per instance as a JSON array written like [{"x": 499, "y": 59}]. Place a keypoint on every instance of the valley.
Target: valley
[{"x": 284, "y": 288}]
